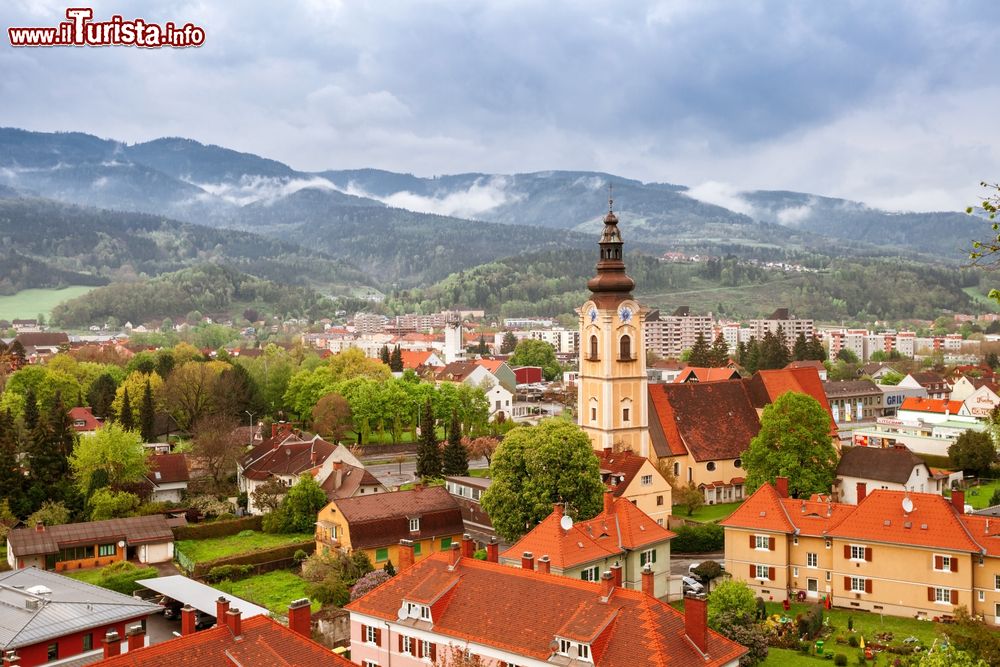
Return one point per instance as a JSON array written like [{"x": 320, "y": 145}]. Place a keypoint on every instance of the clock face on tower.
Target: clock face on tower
[
  {"x": 625, "y": 314},
  {"x": 593, "y": 314}
]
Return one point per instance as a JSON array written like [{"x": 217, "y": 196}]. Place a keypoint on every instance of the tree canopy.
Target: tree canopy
[
  {"x": 111, "y": 457},
  {"x": 531, "y": 352}
]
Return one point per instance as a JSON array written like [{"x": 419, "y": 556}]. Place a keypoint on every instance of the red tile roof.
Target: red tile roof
[
  {"x": 90, "y": 422},
  {"x": 413, "y": 359},
  {"x": 711, "y": 420},
  {"x": 291, "y": 456},
  {"x": 167, "y": 469},
  {"x": 382, "y": 519},
  {"x": 935, "y": 405},
  {"x": 699, "y": 374},
  {"x": 779, "y": 381},
  {"x": 264, "y": 643},
  {"x": 529, "y": 609},
  {"x": 492, "y": 365},
  {"x": 625, "y": 464},
  {"x": 763, "y": 510},
  {"x": 986, "y": 531}
]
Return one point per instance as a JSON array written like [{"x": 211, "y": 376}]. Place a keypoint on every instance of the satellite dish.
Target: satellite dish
[
  {"x": 121, "y": 544},
  {"x": 566, "y": 522},
  {"x": 907, "y": 505},
  {"x": 401, "y": 614}
]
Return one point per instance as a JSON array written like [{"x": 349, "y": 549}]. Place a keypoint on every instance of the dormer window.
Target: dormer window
[
  {"x": 572, "y": 649},
  {"x": 418, "y": 611},
  {"x": 415, "y": 525}
]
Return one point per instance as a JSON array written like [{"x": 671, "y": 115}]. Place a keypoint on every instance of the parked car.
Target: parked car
[{"x": 692, "y": 585}]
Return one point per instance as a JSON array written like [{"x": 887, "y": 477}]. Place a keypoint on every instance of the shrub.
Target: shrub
[
  {"x": 805, "y": 647},
  {"x": 121, "y": 577},
  {"x": 300, "y": 556},
  {"x": 698, "y": 539},
  {"x": 752, "y": 635},
  {"x": 840, "y": 660},
  {"x": 230, "y": 572},
  {"x": 852, "y": 641},
  {"x": 732, "y": 598},
  {"x": 810, "y": 622},
  {"x": 480, "y": 554},
  {"x": 369, "y": 582},
  {"x": 850, "y": 623},
  {"x": 246, "y": 533}
]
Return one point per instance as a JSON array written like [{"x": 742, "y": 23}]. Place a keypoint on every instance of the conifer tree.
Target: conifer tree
[
  {"x": 101, "y": 394},
  {"x": 816, "y": 349},
  {"x": 125, "y": 417},
  {"x": 752, "y": 356},
  {"x": 482, "y": 349},
  {"x": 31, "y": 416},
  {"x": 698, "y": 356},
  {"x": 396, "y": 360},
  {"x": 428, "y": 453},
  {"x": 11, "y": 479},
  {"x": 800, "y": 351},
  {"x": 718, "y": 354},
  {"x": 508, "y": 344},
  {"x": 383, "y": 354},
  {"x": 741, "y": 353},
  {"x": 147, "y": 414},
  {"x": 63, "y": 437},
  {"x": 456, "y": 457},
  {"x": 49, "y": 445},
  {"x": 17, "y": 353}
]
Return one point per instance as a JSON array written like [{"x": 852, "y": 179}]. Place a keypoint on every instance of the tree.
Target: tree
[
  {"x": 111, "y": 457},
  {"x": 892, "y": 378},
  {"x": 794, "y": 441},
  {"x": 383, "y": 354},
  {"x": 455, "y": 456},
  {"x": 537, "y": 466},
  {"x": 816, "y": 350},
  {"x": 396, "y": 360},
  {"x": 7, "y": 520},
  {"x": 748, "y": 633},
  {"x": 250, "y": 315},
  {"x": 458, "y": 656},
  {"x": 31, "y": 414},
  {"x": 192, "y": 391},
  {"x": 509, "y": 343},
  {"x": 718, "y": 354},
  {"x": 974, "y": 637},
  {"x": 482, "y": 447},
  {"x": 800, "y": 350},
  {"x": 11, "y": 478},
  {"x": 125, "y": 417},
  {"x": 531, "y": 352},
  {"x": 773, "y": 351},
  {"x": 751, "y": 362},
  {"x": 216, "y": 446},
  {"x": 943, "y": 655},
  {"x": 708, "y": 571},
  {"x": 101, "y": 394},
  {"x": 147, "y": 415},
  {"x": 135, "y": 383},
  {"x": 369, "y": 582},
  {"x": 428, "y": 452},
  {"x": 847, "y": 356},
  {"x": 267, "y": 496},
  {"x": 302, "y": 503},
  {"x": 481, "y": 347},
  {"x": 51, "y": 513},
  {"x": 47, "y": 449},
  {"x": 973, "y": 451},
  {"x": 734, "y": 597},
  {"x": 699, "y": 355},
  {"x": 332, "y": 416},
  {"x": 690, "y": 497},
  {"x": 108, "y": 504}
]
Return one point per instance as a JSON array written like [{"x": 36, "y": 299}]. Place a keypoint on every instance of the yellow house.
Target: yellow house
[
  {"x": 428, "y": 517},
  {"x": 637, "y": 480},
  {"x": 899, "y": 553}
]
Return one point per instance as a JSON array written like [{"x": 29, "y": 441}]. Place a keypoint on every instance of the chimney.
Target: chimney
[
  {"x": 781, "y": 484},
  {"x": 39, "y": 527},
  {"x": 557, "y": 509},
  {"x": 405, "y": 554},
  {"x": 300, "y": 617},
  {"x": 455, "y": 555},
  {"x": 234, "y": 619},
  {"x": 136, "y": 637},
  {"x": 112, "y": 644},
  {"x": 862, "y": 491},
  {"x": 616, "y": 574},
  {"x": 221, "y": 607},
  {"x": 338, "y": 471},
  {"x": 609, "y": 502},
  {"x": 607, "y": 585},
  {"x": 527, "y": 561},
  {"x": 274, "y": 429},
  {"x": 544, "y": 565},
  {"x": 493, "y": 550},
  {"x": 696, "y": 621},
  {"x": 468, "y": 546},
  {"x": 958, "y": 500},
  {"x": 647, "y": 581},
  {"x": 187, "y": 620},
  {"x": 10, "y": 659}
]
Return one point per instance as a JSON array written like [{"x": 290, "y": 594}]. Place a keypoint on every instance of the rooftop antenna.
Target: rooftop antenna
[
  {"x": 611, "y": 199},
  {"x": 907, "y": 503}
]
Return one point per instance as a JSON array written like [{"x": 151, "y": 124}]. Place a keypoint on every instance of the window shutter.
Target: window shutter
[
  {"x": 868, "y": 554},
  {"x": 938, "y": 562},
  {"x": 433, "y": 652},
  {"x": 868, "y": 585},
  {"x": 930, "y": 594},
  {"x": 847, "y": 551},
  {"x": 400, "y": 638},
  {"x": 753, "y": 571},
  {"x": 770, "y": 573},
  {"x": 364, "y": 633},
  {"x": 378, "y": 636},
  {"x": 770, "y": 543},
  {"x": 954, "y": 564},
  {"x": 420, "y": 648},
  {"x": 753, "y": 541},
  {"x": 847, "y": 583},
  {"x": 954, "y": 597}
]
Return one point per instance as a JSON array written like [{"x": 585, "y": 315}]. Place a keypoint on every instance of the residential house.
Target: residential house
[
  {"x": 84, "y": 421},
  {"x": 46, "y": 617},
  {"x": 167, "y": 478},
  {"x": 698, "y": 374},
  {"x": 72, "y": 546},
  {"x": 26, "y": 326},
  {"x": 637, "y": 480},
  {"x": 429, "y": 517},
  {"x": 419, "y": 360},
  {"x": 258, "y": 641},
  {"x": 965, "y": 385},
  {"x": 535, "y": 619},
  {"x": 467, "y": 492},
  {"x": 39, "y": 346},
  {"x": 854, "y": 400},
  {"x": 501, "y": 370},
  {"x": 933, "y": 411},
  {"x": 340, "y": 479},
  {"x": 864, "y": 469},
  {"x": 981, "y": 402},
  {"x": 664, "y": 370},
  {"x": 811, "y": 363},
  {"x": 876, "y": 370},
  {"x": 475, "y": 374},
  {"x": 934, "y": 383},
  {"x": 622, "y": 536},
  {"x": 854, "y": 554}
]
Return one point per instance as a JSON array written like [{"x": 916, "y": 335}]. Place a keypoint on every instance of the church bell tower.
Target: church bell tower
[{"x": 612, "y": 402}]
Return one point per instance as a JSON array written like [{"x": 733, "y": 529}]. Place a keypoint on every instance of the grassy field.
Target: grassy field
[
  {"x": 28, "y": 303},
  {"x": 982, "y": 495},
  {"x": 708, "y": 513},
  {"x": 274, "y": 590},
  {"x": 203, "y": 550}
]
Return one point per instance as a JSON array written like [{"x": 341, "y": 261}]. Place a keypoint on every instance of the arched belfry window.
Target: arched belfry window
[
  {"x": 593, "y": 347},
  {"x": 625, "y": 348}
]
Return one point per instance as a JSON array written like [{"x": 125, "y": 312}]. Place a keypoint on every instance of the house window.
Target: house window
[
  {"x": 425, "y": 613},
  {"x": 593, "y": 348},
  {"x": 564, "y": 645},
  {"x": 625, "y": 415},
  {"x": 416, "y": 549},
  {"x": 828, "y": 576},
  {"x": 942, "y": 595},
  {"x": 414, "y": 525},
  {"x": 647, "y": 557},
  {"x": 829, "y": 544},
  {"x": 795, "y": 571},
  {"x": 762, "y": 542},
  {"x": 943, "y": 563},
  {"x": 812, "y": 560},
  {"x": 857, "y": 552},
  {"x": 370, "y": 634},
  {"x": 647, "y": 480},
  {"x": 738, "y": 463},
  {"x": 53, "y": 651},
  {"x": 762, "y": 571},
  {"x": 590, "y": 573},
  {"x": 710, "y": 466},
  {"x": 407, "y": 643},
  {"x": 659, "y": 501},
  {"x": 677, "y": 468},
  {"x": 88, "y": 642},
  {"x": 593, "y": 413},
  {"x": 625, "y": 348},
  {"x": 107, "y": 550},
  {"x": 445, "y": 543},
  {"x": 425, "y": 648},
  {"x": 857, "y": 584},
  {"x": 982, "y": 596},
  {"x": 369, "y": 663},
  {"x": 381, "y": 555},
  {"x": 996, "y": 582},
  {"x": 584, "y": 650}
]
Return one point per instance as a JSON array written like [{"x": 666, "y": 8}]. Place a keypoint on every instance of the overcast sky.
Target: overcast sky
[{"x": 891, "y": 103}]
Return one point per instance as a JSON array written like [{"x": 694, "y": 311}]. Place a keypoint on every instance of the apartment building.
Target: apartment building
[
  {"x": 791, "y": 325},
  {"x": 669, "y": 335}
]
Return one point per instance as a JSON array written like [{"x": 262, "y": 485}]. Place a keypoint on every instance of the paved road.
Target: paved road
[
  {"x": 679, "y": 563},
  {"x": 396, "y": 474}
]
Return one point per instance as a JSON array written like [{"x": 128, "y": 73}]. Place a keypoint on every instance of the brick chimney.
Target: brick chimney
[
  {"x": 557, "y": 509},
  {"x": 455, "y": 554},
  {"x": 136, "y": 637},
  {"x": 544, "y": 565},
  {"x": 616, "y": 574},
  {"x": 527, "y": 561},
  {"x": 696, "y": 621},
  {"x": 221, "y": 607},
  {"x": 607, "y": 585},
  {"x": 39, "y": 527},
  {"x": 338, "y": 474},
  {"x": 112, "y": 644},
  {"x": 862, "y": 491},
  {"x": 609, "y": 502},
  {"x": 405, "y": 554},
  {"x": 958, "y": 500},
  {"x": 648, "y": 585},
  {"x": 234, "y": 619},
  {"x": 300, "y": 617},
  {"x": 11, "y": 659},
  {"x": 493, "y": 550},
  {"x": 187, "y": 620},
  {"x": 468, "y": 546},
  {"x": 781, "y": 484}
]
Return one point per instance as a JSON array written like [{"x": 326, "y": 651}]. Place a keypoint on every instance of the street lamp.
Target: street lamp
[{"x": 250, "y": 437}]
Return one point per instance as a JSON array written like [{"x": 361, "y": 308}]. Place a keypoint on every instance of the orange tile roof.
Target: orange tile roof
[
  {"x": 936, "y": 405},
  {"x": 413, "y": 359},
  {"x": 706, "y": 374},
  {"x": 763, "y": 510},
  {"x": 802, "y": 380},
  {"x": 624, "y": 464},
  {"x": 986, "y": 531},
  {"x": 264, "y": 643},
  {"x": 814, "y": 517},
  {"x": 490, "y": 364},
  {"x": 529, "y": 609}
]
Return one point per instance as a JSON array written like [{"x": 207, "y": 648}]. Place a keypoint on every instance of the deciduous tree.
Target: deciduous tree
[
  {"x": 111, "y": 457},
  {"x": 531, "y": 352},
  {"x": 973, "y": 451},
  {"x": 332, "y": 416}
]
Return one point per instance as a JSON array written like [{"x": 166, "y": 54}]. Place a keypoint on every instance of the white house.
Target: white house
[
  {"x": 865, "y": 469},
  {"x": 980, "y": 404}
]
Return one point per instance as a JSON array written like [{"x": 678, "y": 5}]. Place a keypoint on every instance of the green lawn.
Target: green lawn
[
  {"x": 979, "y": 496},
  {"x": 90, "y": 575},
  {"x": 707, "y": 513},
  {"x": 274, "y": 590},
  {"x": 479, "y": 472},
  {"x": 217, "y": 547},
  {"x": 27, "y": 304}
]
